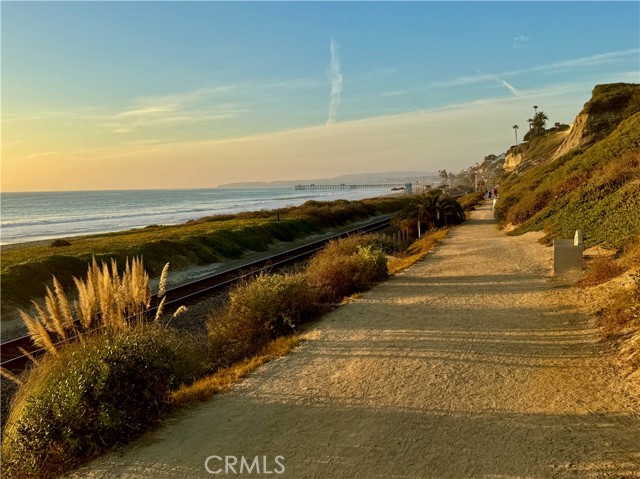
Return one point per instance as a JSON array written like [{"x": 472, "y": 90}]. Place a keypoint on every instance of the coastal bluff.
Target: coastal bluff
[{"x": 609, "y": 105}]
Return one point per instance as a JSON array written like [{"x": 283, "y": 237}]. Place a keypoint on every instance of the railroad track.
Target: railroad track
[{"x": 13, "y": 359}]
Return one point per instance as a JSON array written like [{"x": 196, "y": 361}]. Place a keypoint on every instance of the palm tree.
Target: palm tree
[
  {"x": 539, "y": 122},
  {"x": 431, "y": 208},
  {"x": 449, "y": 211},
  {"x": 515, "y": 129},
  {"x": 419, "y": 210}
]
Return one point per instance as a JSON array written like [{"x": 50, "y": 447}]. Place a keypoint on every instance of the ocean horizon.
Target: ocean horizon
[{"x": 36, "y": 216}]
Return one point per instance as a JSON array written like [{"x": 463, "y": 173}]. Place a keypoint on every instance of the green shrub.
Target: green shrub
[
  {"x": 93, "y": 395},
  {"x": 259, "y": 310},
  {"x": 345, "y": 267},
  {"x": 608, "y": 106},
  {"x": 272, "y": 305}
]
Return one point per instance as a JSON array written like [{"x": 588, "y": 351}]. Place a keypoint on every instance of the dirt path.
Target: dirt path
[{"x": 471, "y": 364}]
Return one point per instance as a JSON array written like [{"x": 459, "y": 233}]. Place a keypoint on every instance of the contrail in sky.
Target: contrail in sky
[
  {"x": 511, "y": 88},
  {"x": 335, "y": 77}
]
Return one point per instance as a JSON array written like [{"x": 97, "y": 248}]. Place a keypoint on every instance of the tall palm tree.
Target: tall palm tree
[{"x": 515, "y": 129}]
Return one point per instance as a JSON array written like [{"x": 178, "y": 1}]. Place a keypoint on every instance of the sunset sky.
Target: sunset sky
[{"x": 127, "y": 95}]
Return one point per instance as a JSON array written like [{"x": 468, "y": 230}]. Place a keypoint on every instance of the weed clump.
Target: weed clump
[
  {"x": 601, "y": 270},
  {"x": 621, "y": 315},
  {"x": 60, "y": 243}
]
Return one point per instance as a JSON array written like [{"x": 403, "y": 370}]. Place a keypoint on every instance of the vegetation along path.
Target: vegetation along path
[{"x": 472, "y": 363}]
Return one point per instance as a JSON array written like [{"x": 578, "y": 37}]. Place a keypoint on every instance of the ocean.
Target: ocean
[{"x": 41, "y": 216}]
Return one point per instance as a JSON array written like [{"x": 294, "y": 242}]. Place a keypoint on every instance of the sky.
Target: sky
[{"x": 134, "y": 95}]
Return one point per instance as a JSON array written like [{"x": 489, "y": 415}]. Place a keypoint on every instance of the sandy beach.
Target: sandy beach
[{"x": 472, "y": 363}]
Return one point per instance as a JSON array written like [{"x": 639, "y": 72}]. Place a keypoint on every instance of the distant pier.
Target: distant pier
[{"x": 407, "y": 187}]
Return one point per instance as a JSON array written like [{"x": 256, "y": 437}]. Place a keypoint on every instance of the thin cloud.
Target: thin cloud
[
  {"x": 201, "y": 105},
  {"x": 62, "y": 115},
  {"x": 593, "y": 60},
  {"x": 296, "y": 83},
  {"x": 509, "y": 86},
  {"x": 396, "y": 92},
  {"x": 161, "y": 118},
  {"x": 143, "y": 112},
  {"x": 213, "y": 103},
  {"x": 335, "y": 77},
  {"x": 521, "y": 41}
]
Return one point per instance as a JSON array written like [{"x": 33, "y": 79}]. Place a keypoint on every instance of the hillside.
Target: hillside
[
  {"x": 609, "y": 105},
  {"x": 587, "y": 178}
]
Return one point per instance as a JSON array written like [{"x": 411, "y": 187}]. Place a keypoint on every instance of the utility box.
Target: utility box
[{"x": 567, "y": 254}]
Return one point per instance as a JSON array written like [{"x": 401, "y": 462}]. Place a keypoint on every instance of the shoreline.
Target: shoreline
[
  {"x": 193, "y": 249},
  {"x": 12, "y": 327},
  {"x": 216, "y": 207}
]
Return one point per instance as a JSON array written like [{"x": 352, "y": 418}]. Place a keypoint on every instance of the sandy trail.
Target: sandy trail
[{"x": 472, "y": 363}]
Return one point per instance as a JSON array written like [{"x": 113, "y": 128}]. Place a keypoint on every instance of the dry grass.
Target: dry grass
[
  {"x": 418, "y": 250},
  {"x": 600, "y": 270},
  {"x": 205, "y": 388},
  {"x": 621, "y": 315},
  {"x": 631, "y": 254},
  {"x": 107, "y": 301}
]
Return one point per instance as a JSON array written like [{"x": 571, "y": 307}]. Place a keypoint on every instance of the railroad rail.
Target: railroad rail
[{"x": 13, "y": 359}]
